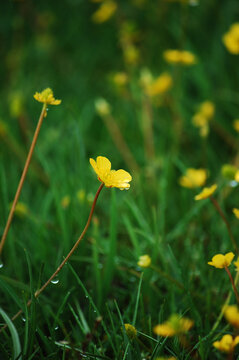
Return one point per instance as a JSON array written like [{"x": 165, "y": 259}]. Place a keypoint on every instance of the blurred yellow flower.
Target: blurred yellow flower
[
  {"x": 206, "y": 192},
  {"x": 105, "y": 11},
  {"x": 236, "y": 125},
  {"x": 102, "y": 107},
  {"x": 175, "y": 325},
  {"x": 130, "y": 331},
  {"x": 236, "y": 263},
  {"x": 120, "y": 78},
  {"x": 231, "y": 39},
  {"x": 236, "y": 212},
  {"x": 160, "y": 85},
  {"x": 65, "y": 201},
  {"x": 207, "y": 109},
  {"x": 182, "y": 57},
  {"x": 220, "y": 261},
  {"x": 131, "y": 54},
  {"x": 231, "y": 314},
  {"x": 81, "y": 195},
  {"x": 16, "y": 104},
  {"x": 203, "y": 116},
  {"x": 229, "y": 171},
  {"x": 111, "y": 178},
  {"x": 46, "y": 97},
  {"x": 144, "y": 261},
  {"x": 193, "y": 178},
  {"x": 21, "y": 209},
  {"x": 226, "y": 344}
]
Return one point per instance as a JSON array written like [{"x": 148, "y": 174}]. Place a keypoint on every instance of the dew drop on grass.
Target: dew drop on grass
[
  {"x": 233, "y": 183},
  {"x": 1, "y": 264},
  {"x": 55, "y": 280},
  {"x": 23, "y": 319},
  {"x": 56, "y": 328}
]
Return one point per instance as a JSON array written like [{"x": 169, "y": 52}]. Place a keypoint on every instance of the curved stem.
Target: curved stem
[
  {"x": 21, "y": 182},
  {"x": 39, "y": 291},
  {"x": 219, "y": 210},
  {"x": 233, "y": 283}
]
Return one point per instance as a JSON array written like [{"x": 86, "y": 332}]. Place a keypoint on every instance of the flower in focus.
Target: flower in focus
[
  {"x": 236, "y": 125},
  {"x": 181, "y": 57},
  {"x": 144, "y": 261},
  {"x": 159, "y": 85},
  {"x": 105, "y": 11},
  {"x": 175, "y": 325},
  {"x": 46, "y": 97},
  {"x": 231, "y": 39},
  {"x": 65, "y": 201},
  {"x": 236, "y": 212},
  {"x": 206, "y": 192},
  {"x": 193, "y": 178},
  {"x": 111, "y": 178},
  {"x": 220, "y": 261},
  {"x": 231, "y": 314},
  {"x": 102, "y": 107},
  {"x": 130, "y": 331},
  {"x": 226, "y": 344}
]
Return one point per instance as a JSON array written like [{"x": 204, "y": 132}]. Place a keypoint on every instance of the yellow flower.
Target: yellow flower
[
  {"x": 236, "y": 125},
  {"x": 226, "y": 344},
  {"x": 111, "y": 178},
  {"x": 207, "y": 109},
  {"x": 46, "y": 97},
  {"x": 229, "y": 171},
  {"x": 231, "y": 39},
  {"x": 102, "y": 107},
  {"x": 175, "y": 325},
  {"x": 236, "y": 212},
  {"x": 105, "y": 11},
  {"x": 144, "y": 261},
  {"x": 231, "y": 314},
  {"x": 193, "y": 178},
  {"x": 120, "y": 79},
  {"x": 65, "y": 201},
  {"x": 160, "y": 85},
  {"x": 220, "y": 261},
  {"x": 206, "y": 192},
  {"x": 21, "y": 209},
  {"x": 130, "y": 331},
  {"x": 81, "y": 195},
  {"x": 182, "y": 57},
  {"x": 236, "y": 263}
]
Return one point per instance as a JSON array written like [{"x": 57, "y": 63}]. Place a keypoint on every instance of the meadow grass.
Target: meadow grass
[{"x": 102, "y": 304}]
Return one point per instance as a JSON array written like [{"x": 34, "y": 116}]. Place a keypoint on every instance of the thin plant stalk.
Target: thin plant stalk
[
  {"x": 148, "y": 133},
  {"x": 120, "y": 142},
  {"x": 21, "y": 182},
  {"x": 233, "y": 283},
  {"x": 39, "y": 291},
  {"x": 219, "y": 210}
]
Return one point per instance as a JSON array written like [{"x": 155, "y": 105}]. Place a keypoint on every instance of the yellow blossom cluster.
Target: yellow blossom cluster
[
  {"x": 175, "y": 325},
  {"x": 105, "y": 11},
  {"x": 204, "y": 114},
  {"x": 193, "y": 178},
  {"x": 155, "y": 86},
  {"x": 181, "y": 57},
  {"x": 231, "y": 39},
  {"x": 111, "y": 178}
]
